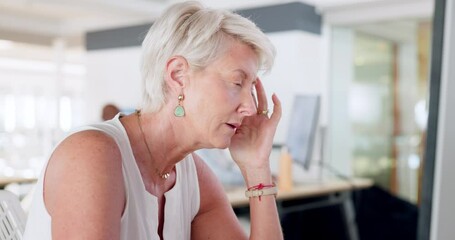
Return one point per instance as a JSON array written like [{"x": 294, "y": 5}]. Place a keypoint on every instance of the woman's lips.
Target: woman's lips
[{"x": 233, "y": 125}]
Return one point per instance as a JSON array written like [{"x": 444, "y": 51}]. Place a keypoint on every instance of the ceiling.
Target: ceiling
[{"x": 42, "y": 21}]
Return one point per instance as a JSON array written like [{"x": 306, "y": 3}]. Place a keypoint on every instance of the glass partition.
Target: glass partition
[{"x": 379, "y": 91}]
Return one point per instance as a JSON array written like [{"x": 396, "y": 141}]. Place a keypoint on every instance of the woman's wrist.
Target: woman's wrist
[{"x": 257, "y": 176}]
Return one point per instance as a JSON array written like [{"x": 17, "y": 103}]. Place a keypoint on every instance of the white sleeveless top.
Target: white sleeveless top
[{"x": 140, "y": 217}]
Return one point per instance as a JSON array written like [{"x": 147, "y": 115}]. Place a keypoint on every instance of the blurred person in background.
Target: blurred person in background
[{"x": 109, "y": 112}]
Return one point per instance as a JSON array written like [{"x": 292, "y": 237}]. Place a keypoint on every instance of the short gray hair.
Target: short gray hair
[{"x": 199, "y": 34}]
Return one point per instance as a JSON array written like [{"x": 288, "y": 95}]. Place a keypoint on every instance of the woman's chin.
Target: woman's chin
[{"x": 222, "y": 144}]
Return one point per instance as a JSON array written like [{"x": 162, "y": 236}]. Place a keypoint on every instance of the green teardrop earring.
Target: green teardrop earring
[{"x": 179, "y": 111}]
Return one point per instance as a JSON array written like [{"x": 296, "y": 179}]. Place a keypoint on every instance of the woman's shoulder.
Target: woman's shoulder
[
  {"x": 89, "y": 149},
  {"x": 86, "y": 164},
  {"x": 91, "y": 137}
]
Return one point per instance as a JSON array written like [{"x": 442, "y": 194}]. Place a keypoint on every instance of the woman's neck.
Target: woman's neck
[{"x": 166, "y": 137}]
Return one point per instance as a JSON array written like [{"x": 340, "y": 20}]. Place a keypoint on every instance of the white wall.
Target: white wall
[
  {"x": 443, "y": 212},
  {"x": 113, "y": 75},
  {"x": 297, "y": 70}
]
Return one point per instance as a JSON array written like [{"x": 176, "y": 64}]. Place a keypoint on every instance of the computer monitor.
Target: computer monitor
[{"x": 302, "y": 129}]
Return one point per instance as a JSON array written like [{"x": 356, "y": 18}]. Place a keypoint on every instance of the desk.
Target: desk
[
  {"x": 337, "y": 191},
  {"x": 7, "y": 180}
]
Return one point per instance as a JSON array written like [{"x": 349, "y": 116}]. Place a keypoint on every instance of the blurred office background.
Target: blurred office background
[
  {"x": 372, "y": 71},
  {"x": 369, "y": 62}
]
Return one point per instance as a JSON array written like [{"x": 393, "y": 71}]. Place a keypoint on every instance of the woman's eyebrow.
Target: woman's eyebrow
[
  {"x": 242, "y": 73},
  {"x": 246, "y": 75}
]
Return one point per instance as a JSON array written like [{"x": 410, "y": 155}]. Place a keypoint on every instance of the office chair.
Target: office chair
[{"x": 12, "y": 217}]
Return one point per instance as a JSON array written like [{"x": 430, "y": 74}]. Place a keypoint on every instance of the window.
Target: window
[{"x": 40, "y": 98}]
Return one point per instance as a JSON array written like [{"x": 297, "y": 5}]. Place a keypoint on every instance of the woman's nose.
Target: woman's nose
[{"x": 248, "y": 105}]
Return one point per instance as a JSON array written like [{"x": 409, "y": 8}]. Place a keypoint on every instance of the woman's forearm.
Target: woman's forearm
[{"x": 265, "y": 222}]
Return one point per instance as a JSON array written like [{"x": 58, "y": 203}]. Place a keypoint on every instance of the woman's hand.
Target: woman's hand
[{"x": 252, "y": 143}]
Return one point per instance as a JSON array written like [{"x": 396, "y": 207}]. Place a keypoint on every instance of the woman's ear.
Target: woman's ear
[{"x": 176, "y": 71}]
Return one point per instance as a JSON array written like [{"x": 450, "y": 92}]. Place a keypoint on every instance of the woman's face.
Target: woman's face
[{"x": 218, "y": 97}]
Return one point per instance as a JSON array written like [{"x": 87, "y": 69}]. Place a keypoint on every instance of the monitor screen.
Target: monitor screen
[{"x": 302, "y": 129}]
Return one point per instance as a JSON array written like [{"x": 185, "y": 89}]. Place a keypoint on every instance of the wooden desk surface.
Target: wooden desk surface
[
  {"x": 7, "y": 180},
  {"x": 238, "y": 199}
]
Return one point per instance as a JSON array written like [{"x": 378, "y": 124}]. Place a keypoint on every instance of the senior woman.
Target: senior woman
[{"x": 136, "y": 177}]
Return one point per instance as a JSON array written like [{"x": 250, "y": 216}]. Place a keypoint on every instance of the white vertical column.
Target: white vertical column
[
  {"x": 443, "y": 211},
  {"x": 59, "y": 46},
  {"x": 339, "y": 132}
]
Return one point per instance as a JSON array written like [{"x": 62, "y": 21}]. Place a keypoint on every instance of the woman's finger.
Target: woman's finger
[
  {"x": 276, "y": 115},
  {"x": 262, "y": 97}
]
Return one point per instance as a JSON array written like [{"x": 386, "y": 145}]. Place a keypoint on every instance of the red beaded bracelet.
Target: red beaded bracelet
[
  {"x": 261, "y": 190},
  {"x": 261, "y": 186}
]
